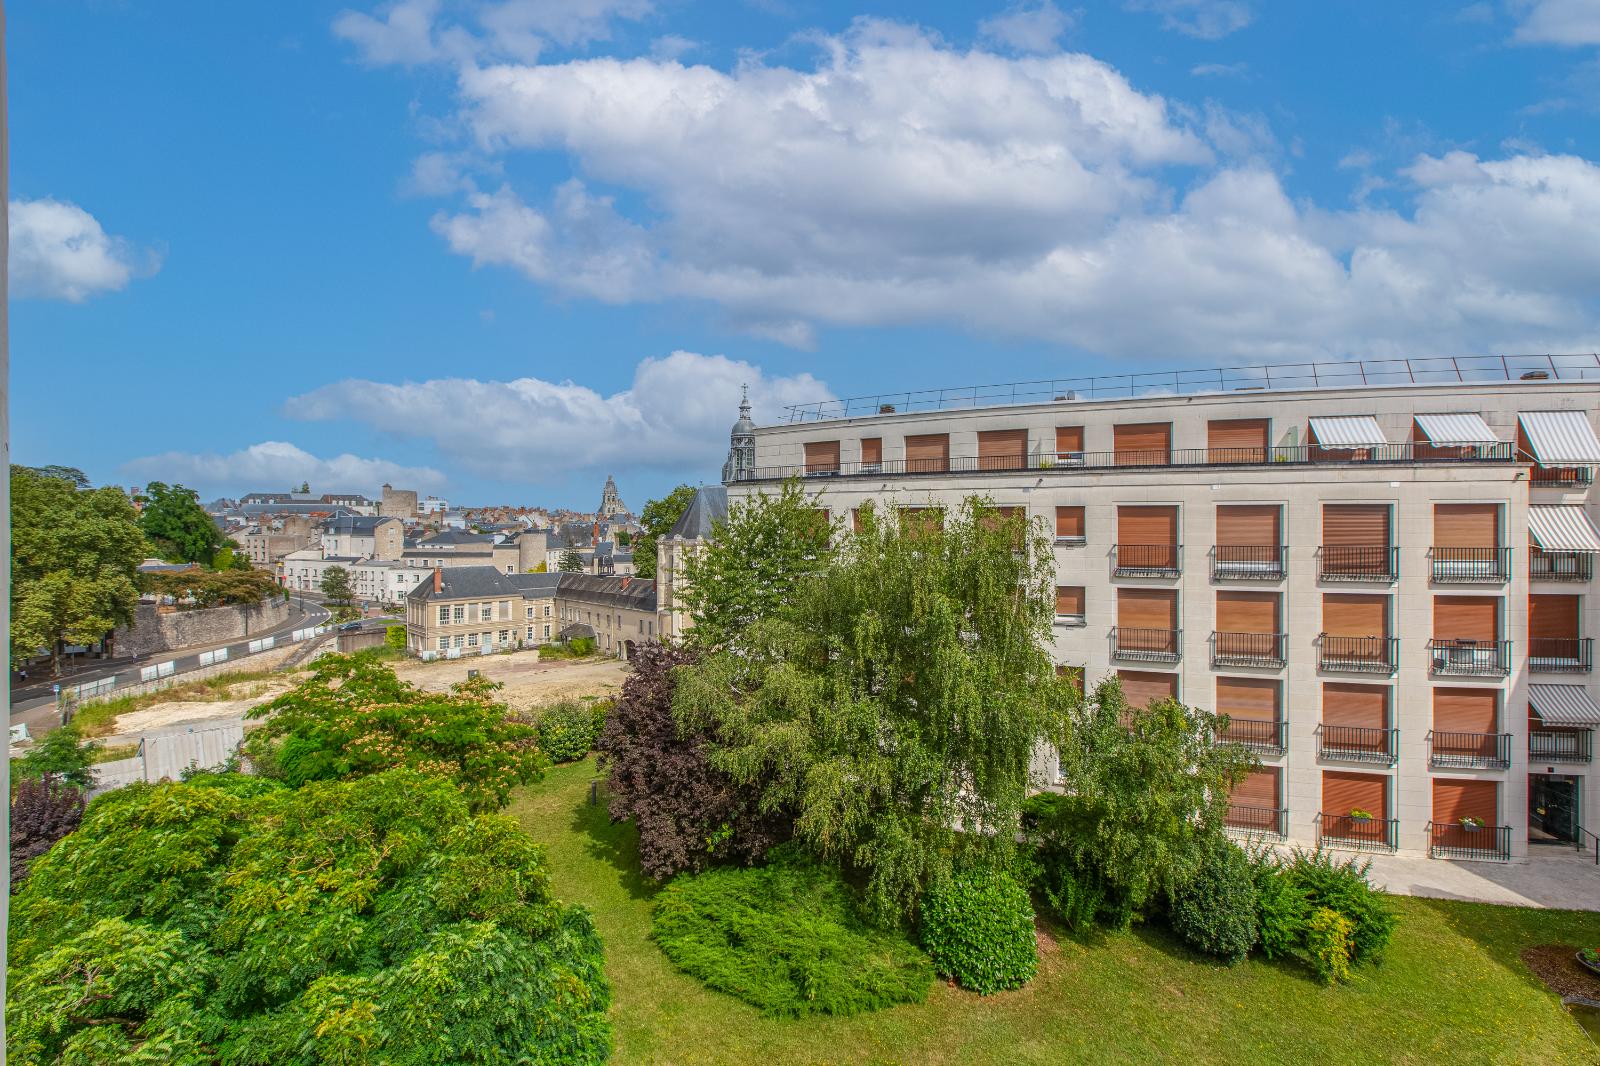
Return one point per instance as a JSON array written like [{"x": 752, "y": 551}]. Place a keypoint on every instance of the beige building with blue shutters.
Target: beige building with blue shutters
[{"x": 1383, "y": 573}]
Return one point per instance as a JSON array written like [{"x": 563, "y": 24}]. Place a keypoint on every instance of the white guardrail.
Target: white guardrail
[{"x": 160, "y": 675}]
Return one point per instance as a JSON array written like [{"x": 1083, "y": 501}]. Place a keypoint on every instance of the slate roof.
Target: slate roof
[
  {"x": 456, "y": 536},
  {"x": 355, "y": 524},
  {"x": 630, "y": 593},
  {"x": 709, "y": 506}
]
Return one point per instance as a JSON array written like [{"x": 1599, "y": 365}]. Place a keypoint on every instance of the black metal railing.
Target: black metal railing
[
  {"x": 1482, "y": 751},
  {"x": 1248, "y": 649},
  {"x": 1560, "y": 655},
  {"x": 1455, "y": 840},
  {"x": 1365, "y": 834},
  {"x": 1340, "y": 562},
  {"x": 1146, "y": 560},
  {"x": 1367, "y": 655},
  {"x": 1268, "y": 737},
  {"x": 1471, "y": 566},
  {"x": 1156, "y": 458},
  {"x": 1257, "y": 821},
  {"x": 1471, "y": 658},
  {"x": 1562, "y": 476},
  {"x": 1138, "y": 644},
  {"x": 1561, "y": 745},
  {"x": 1249, "y": 562},
  {"x": 1355, "y": 743},
  {"x": 1560, "y": 566}
]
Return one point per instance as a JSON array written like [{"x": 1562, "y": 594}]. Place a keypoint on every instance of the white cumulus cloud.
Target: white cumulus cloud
[
  {"x": 60, "y": 252},
  {"x": 416, "y": 32},
  {"x": 676, "y": 414},
  {"x": 1208, "y": 20},
  {"x": 1562, "y": 22},
  {"x": 276, "y": 465},
  {"x": 1028, "y": 27}
]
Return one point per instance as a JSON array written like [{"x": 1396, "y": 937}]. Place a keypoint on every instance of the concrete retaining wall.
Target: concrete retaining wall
[{"x": 153, "y": 633}]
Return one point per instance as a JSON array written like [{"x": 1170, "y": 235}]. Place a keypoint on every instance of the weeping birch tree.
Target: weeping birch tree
[{"x": 892, "y": 701}]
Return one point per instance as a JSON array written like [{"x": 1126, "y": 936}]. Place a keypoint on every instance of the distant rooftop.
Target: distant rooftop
[{"x": 1355, "y": 373}]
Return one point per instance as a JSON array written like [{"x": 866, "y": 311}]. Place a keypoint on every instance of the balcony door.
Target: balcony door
[
  {"x": 1236, "y": 440},
  {"x": 1554, "y": 803}
]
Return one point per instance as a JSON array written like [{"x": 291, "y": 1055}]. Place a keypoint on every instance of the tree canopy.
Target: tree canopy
[
  {"x": 656, "y": 521},
  {"x": 75, "y": 555},
  {"x": 336, "y": 586},
  {"x": 177, "y": 525},
  {"x": 227, "y": 919},
  {"x": 892, "y": 698},
  {"x": 352, "y": 716},
  {"x": 571, "y": 562},
  {"x": 210, "y": 588},
  {"x": 755, "y": 557}
]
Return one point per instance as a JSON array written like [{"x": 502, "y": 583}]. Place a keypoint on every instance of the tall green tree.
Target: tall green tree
[
  {"x": 75, "y": 555},
  {"x": 571, "y": 562},
  {"x": 657, "y": 520},
  {"x": 177, "y": 525},
  {"x": 336, "y": 586},
  {"x": 754, "y": 559},
  {"x": 893, "y": 700}
]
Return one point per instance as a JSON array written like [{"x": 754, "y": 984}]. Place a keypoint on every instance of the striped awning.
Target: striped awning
[
  {"x": 1562, "y": 528},
  {"x": 1561, "y": 438},
  {"x": 1348, "y": 431},
  {"x": 1563, "y": 705},
  {"x": 1469, "y": 428}
]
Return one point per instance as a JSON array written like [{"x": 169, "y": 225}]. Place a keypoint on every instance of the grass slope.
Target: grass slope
[{"x": 1452, "y": 989}]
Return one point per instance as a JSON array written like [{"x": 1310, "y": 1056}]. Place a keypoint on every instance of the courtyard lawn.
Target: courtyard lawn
[{"x": 1451, "y": 990}]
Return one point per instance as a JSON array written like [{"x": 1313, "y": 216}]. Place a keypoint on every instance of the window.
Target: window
[
  {"x": 505, "y": 636},
  {"x": 547, "y": 610},
  {"x": 444, "y": 643},
  {"x": 472, "y": 640},
  {"x": 1070, "y": 605},
  {"x": 1069, "y": 445},
  {"x": 546, "y": 632},
  {"x": 871, "y": 455},
  {"x": 457, "y": 641},
  {"x": 460, "y": 614},
  {"x": 822, "y": 457},
  {"x": 485, "y": 612},
  {"x": 929, "y": 453},
  {"x": 444, "y": 615},
  {"x": 1236, "y": 440},
  {"x": 530, "y": 611},
  {"x": 1143, "y": 444},
  {"x": 1002, "y": 449},
  {"x": 1070, "y": 527},
  {"x": 530, "y": 633}
]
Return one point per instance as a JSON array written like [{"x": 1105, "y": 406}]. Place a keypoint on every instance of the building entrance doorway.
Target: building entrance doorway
[{"x": 1553, "y": 806}]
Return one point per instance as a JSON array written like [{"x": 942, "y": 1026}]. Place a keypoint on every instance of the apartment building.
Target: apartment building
[
  {"x": 363, "y": 537},
  {"x": 1386, "y": 585},
  {"x": 618, "y": 612},
  {"x": 466, "y": 610}
]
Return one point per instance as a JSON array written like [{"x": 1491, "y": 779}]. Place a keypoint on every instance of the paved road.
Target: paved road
[{"x": 35, "y": 705}]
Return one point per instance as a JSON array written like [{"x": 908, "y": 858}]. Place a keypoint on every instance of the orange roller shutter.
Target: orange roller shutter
[
  {"x": 1002, "y": 449},
  {"x": 1070, "y": 522},
  {"x": 1357, "y": 706},
  {"x": 1553, "y": 617},
  {"x": 1258, "y": 789},
  {"x": 1147, "y": 525},
  {"x": 1466, "y": 525},
  {"x": 928, "y": 453},
  {"x": 1466, "y": 617},
  {"x": 1237, "y": 440},
  {"x": 1347, "y": 525},
  {"x": 1069, "y": 439},
  {"x": 1252, "y": 698},
  {"x": 1344, "y": 791},
  {"x": 1141, "y": 687},
  {"x": 872, "y": 449},
  {"x": 1247, "y": 612},
  {"x": 1145, "y": 444},
  {"x": 1455, "y": 799},
  {"x": 1248, "y": 525},
  {"x": 1351, "y": 615},
  {"x": 1069, "y": 599},
  {"x": 1147, "y": 608},
  {"x": 822, "y": 456},
  {"x": 1465, "y": 710}
]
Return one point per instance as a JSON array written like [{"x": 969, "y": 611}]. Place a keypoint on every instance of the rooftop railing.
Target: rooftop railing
[
  {"x": 1076, "y": 462},
  {"x": 1355, "y": 373}
]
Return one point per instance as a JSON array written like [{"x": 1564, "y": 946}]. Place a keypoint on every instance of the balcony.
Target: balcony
[
  {"x": 1362, "y": 655},
  {"x": 1471, "y": 566},
  {"x": 1359, "y": 564},
  {"x": 1562, "y": 476},
  {"x": 1561, "y": 745},
  {"x": 1257, "y": 821},
  {"x": 1353, "y": 743},
  {"x": 1260, "y": 735},
  {"x": 1469, "y": 658},
  {"x": 1360, "y": 834},
  {"x": 1560, "y": 655},
  {"x": 1132, "y": 644},
  {"x": 1248, "y": 649},
  {"x": 1474, "y": 751},
  {"x": 1248, "y": 562},
  {"x": 1146, "y": 560},
  {"x": 1072, "y": 621},
  {"x": 1560, "y": 566},
  {"x": 1452, "y": 840},
  {"x": 1069, "y": 463}
]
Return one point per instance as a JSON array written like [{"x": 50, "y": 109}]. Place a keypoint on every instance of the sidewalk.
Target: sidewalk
[{"x": 1559, "y": 878}]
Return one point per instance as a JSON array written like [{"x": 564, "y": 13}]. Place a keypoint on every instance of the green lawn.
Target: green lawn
[{"x": 1452, "y": 989}]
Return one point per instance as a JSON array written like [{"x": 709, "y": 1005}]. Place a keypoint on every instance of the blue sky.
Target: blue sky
[{"x": 497, "y": 249}]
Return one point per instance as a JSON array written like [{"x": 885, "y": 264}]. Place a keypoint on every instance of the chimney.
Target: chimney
[
  {"x": 438, "y": 580},
  {"x": 626, "y": 581}
]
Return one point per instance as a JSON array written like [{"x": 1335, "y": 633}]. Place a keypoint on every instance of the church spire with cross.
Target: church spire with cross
[
  {"x": 741, "y": 464},
  {"x": 611, "y": 504}
]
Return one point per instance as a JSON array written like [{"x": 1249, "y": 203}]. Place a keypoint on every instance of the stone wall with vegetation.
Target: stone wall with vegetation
[{"x": 154, "y": 633}]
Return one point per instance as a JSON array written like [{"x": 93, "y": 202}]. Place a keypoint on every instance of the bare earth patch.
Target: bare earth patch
[
  {"x": 162, "y": 715},
  {"x": 527, "y": 681},
  {"x": 1555, "y": 965}
]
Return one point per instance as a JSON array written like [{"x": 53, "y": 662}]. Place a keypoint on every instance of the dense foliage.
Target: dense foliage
[
  {"x": 61, "y": 754},
  {"x": 656, "y": 521},
  {"x": 1321, "y": 910},
  {"x": 1343, "y": 885},
  {"x": 177, "y": 525},
  {"x": 336, "y": 587},
  {"x": 374, "y": 920},
  {"x": 571, "y": 562},
  {"x": 785, "y": 938},
  {"x": 892, "y": 700},
  {"x": 43, "y": 810},
  {"x": 978, "y": 928},
  {"x": 75, "y": 555},
  {"x": 688, "y": 813},
  {"x": 210, "y": 588},
  {"x": 1147, "y": 792},
  {"x": 353, "y": 716},
  {"x": 568, "y": 730},
  {"x": 1215, "y": 911},
  {"x": 756, "y": 555}
]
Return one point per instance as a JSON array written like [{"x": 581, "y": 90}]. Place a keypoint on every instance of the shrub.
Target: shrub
[
  {"x": 978, "y": 929},
  {"x": 61, "y": 754},
  {"x": 1342, "y": 885},
  {"x": 372, "y": 920},
  {"x": 786, "y": 938},
  {"x": 581, "y": 646},
  {"x": 394, "y": 638},
  {"x": 689, "y": 814},
  {"x": 1329, "y": 943},
  {"x": 1215, "y": 912},
  {"x": 43, "y": 810},
  {"x": 568, "y": 730},
  {"x": 1281, "y": 906}
]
